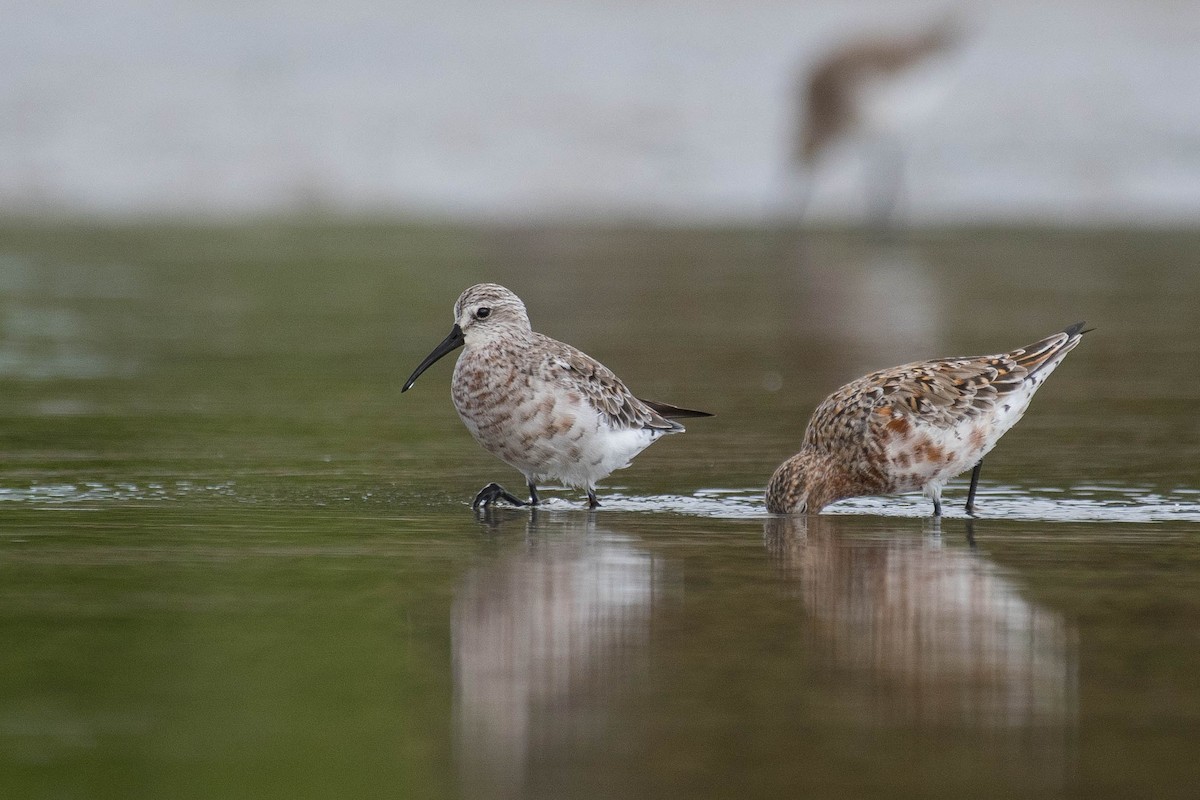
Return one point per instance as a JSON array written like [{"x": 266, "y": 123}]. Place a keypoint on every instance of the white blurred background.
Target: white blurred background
[{"x": 1074, "y": 112}]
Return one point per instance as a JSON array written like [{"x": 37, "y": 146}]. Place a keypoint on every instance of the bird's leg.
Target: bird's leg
[
  {"x": 592, "y": 501},
  {"x": 887, "y": 185},
  {"x": 493, "y": 492},
  {"x": 937, "y": 505},
  {"x": 533, "y": 495},
  {"x": 974, "y": 486}
]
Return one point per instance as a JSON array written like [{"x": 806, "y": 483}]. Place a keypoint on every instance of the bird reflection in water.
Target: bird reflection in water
[
  {"x": 931, "y": 633},
  {"x": 543, "y": 635}
]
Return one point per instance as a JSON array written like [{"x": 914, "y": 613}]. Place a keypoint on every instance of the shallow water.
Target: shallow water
[{"x": 235, "y": 561}]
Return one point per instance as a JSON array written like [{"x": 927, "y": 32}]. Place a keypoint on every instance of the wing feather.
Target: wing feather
[
  {"x": 942, "y": 393},
  {"x": 576, "y": 370}
]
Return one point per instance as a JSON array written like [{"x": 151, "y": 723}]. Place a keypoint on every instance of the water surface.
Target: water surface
[{"x": 235, "y": 561}]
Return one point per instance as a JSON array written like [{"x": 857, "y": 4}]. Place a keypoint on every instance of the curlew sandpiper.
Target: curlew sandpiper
[
  {"x": 541, "y": 406},
  {"x": 913, "y": 427}
]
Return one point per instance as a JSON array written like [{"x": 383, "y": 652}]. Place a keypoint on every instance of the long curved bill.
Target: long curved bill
[{"x": 451, "y": 343}]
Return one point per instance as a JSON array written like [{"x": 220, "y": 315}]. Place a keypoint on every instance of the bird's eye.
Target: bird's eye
[{"x": 483, "y": 313}]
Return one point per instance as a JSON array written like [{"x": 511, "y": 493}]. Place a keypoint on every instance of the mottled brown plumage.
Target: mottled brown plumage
[{"x": 912, "y": 427}]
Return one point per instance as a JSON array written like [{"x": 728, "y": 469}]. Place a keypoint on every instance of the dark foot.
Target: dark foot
[
  {"x": 592, "y": 501},
  {"x": 974, "y": 486},
  {"x": 493, "y": 492},
  {"x": 937, "y": 506},
  {"x": 533, "y": 495}
]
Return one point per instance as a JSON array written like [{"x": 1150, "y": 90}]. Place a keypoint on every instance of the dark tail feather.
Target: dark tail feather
[
  {"x": 674, "y": 412},
  {"x": 1038, "y": 354}
]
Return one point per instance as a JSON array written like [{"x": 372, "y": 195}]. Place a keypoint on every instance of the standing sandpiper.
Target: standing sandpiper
[
  {"x": 913, "y": 427},
  {"x": 541, "y": 406}
]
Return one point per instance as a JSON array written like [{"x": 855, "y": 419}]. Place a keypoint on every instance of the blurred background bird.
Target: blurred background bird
[{"x": 871, "y": 89}]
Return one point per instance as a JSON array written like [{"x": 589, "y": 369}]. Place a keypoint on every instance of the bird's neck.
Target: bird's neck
[{"x": 805, "y": 483}]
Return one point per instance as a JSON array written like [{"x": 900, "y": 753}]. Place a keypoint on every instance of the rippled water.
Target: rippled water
[
  {"x": 235, "y": 561},
  {"x": 1075, "y": 504}
]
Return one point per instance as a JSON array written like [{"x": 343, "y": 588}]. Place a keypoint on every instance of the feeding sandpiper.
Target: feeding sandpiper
[
  {"x": 913, "y": 427},
  {"x": 539, "y": 405}
]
